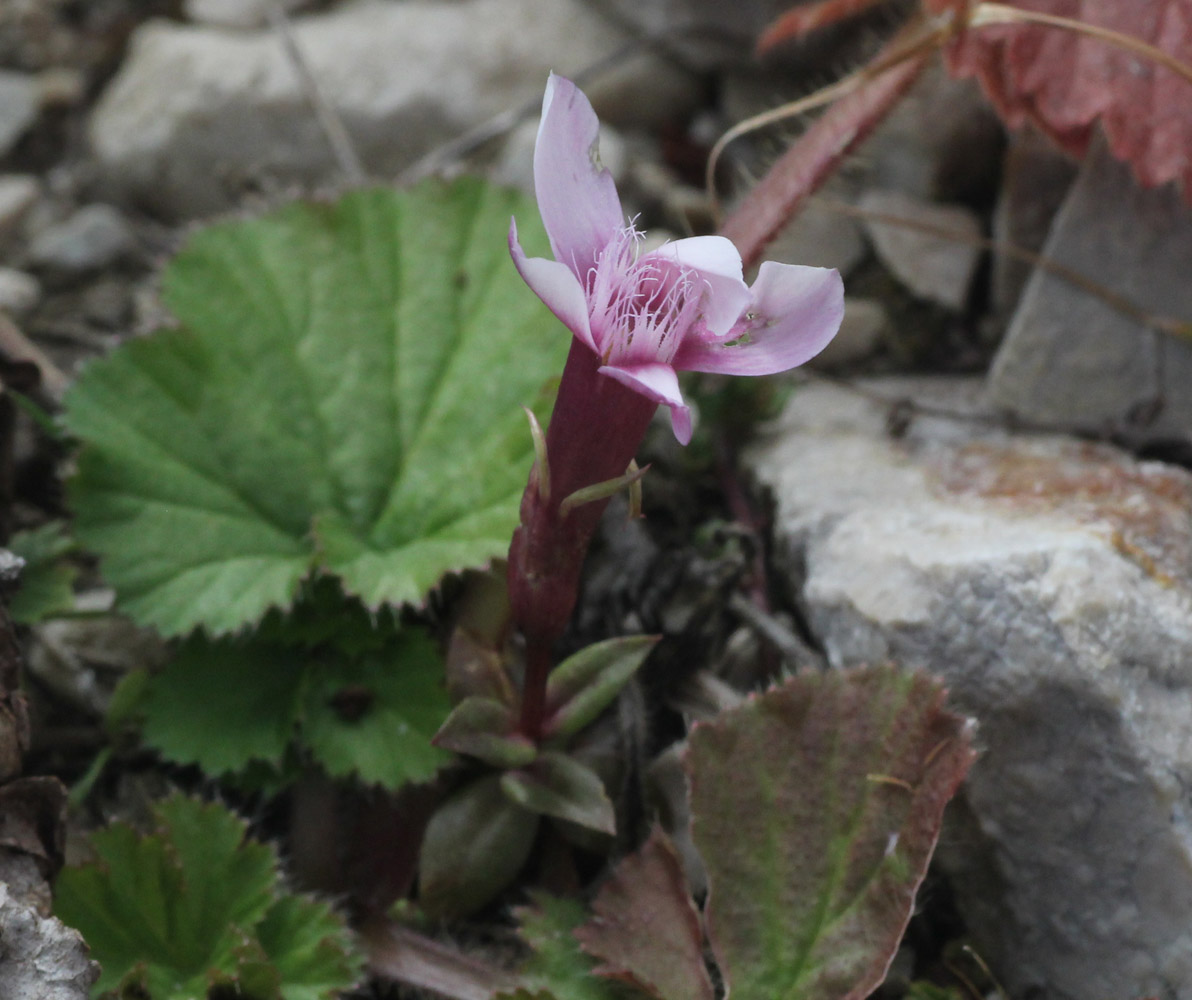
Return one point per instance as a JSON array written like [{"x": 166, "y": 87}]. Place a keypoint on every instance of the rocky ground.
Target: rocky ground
[{"x": 985, "y": 477}]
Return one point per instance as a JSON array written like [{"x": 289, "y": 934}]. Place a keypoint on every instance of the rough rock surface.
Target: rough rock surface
[
  {"x": 197, "y": 112},
  {"x": 41, "y": 958},
  {"x": 1049, "y": 581},
  {"x": 1071, "y": 360}
]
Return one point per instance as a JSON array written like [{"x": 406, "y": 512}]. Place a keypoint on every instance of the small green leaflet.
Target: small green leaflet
[
  {"x": 228, "y": 704},
  {"x": 196, "y": 905},
  {"x": 343, "y": 394}
]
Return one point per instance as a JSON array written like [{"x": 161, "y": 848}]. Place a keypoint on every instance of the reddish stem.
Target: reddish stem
[
  {"x": 595, "y": 430},
  {"x": 533, "y": 707},
  {"x": 815, "y": 155},
  {"x": 800, "y": 21}
]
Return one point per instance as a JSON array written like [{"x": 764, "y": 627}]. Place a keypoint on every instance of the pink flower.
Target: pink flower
[{"x": 682, "y": 307}]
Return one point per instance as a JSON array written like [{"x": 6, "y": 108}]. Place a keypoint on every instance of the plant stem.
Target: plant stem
[{"x": 533, "y": 706}]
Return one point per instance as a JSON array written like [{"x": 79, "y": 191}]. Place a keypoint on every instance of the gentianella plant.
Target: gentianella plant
[{"x": 637, "y": 318}]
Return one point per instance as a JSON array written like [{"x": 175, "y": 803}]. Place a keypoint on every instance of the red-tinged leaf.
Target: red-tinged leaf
[
  {"x": 645, "y": 929},
  {"x": 816, "y": 808},
  {"x": 585, "y": 684},
  {"x": 813, "y": 157},
  {"x": 560, "y": 786},
  {"x": 486, "y": 729},
  {"x": 806, "y": 18},
  {"x": 474, "y": 846},
  {"x": 1064, "y": 81}
]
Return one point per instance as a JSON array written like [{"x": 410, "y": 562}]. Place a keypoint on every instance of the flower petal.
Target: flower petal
[
  {"x": 576, "y": 196},
  {"x": 794, "y": 313},
  {"x": 556, "y": 285},
  {"x": 719, "y": 264},
  {"x": 659, "y": 383}
]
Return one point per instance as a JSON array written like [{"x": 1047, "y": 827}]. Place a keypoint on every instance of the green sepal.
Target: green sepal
[
  {"x": 560, "y": 786},
  {"x": 474, "y": 846},
  {"x": 486, "y": 729},
  {"x": 585, "y": 684}
]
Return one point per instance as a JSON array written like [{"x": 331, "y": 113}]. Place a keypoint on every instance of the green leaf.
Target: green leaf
[
  {"x": 222, "y": 705},
  {"x": 560, "y": 786},
  {"x": 195, "y": 906},
  {"x": 586, "y": 683},
  {"x": 309, "y": 947},
  {"x": 816, "y": 807},
  {"x": 47, "y": 581},
  {"x": 474, "y": 846},
  {"x": 557, "y": 967},
  {"x": 229, "y": 704},
  {"x": 486, "y": 729},
  {"x": 343, "y": 393},
  {"x": 373, "y": 716}
]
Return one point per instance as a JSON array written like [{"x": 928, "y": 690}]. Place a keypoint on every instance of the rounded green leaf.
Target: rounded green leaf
[{"x": 344, "y": 393}]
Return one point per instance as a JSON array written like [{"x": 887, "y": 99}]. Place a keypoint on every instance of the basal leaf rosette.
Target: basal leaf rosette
[{"x": 342, "y": 395}]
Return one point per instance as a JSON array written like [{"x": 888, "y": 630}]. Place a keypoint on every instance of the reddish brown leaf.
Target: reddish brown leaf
[
  {"x": 1064, "y": 81},
  {"x": 816, "y": 808},
  {"x": 645, "y": 929}
]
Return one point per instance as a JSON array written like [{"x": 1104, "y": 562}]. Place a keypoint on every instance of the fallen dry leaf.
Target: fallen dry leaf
[{"x": 1064, "y": 81}]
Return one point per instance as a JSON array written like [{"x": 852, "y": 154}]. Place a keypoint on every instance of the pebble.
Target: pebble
[
  {"x": 18, "y": 107},
  {"x": 193, "y": 107},
  {"x": 20, "y": 293},
  {"x": 18, "y": 194},
  {"x": 930, "y": 266},
  {"x": 93, "y": 237},
  {"x": 865, "y": 320}
]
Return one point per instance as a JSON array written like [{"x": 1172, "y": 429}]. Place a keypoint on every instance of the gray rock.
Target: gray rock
[
  {"x": 18, "y": 194},
  {"x": 19, "y": 292},
  {"x": 865, "y": 320},
  {"x": 1036, "y": 177},
  {"x": 819, "y": 237},
  {"x": 234, "y": 13},
  {"x": 1049, "y": 581},
  {"x": 91, "y": 238},
  {"x": 18, "y": 107},
  {"x": 194, "y": 108},
  {"x": 931, "y": 266},
  {"x": 1069, "y": 359},
  {"x": 707, "y": 34},
  {"x": 42, "y": 958},
  {"x": 940, "y": 143}
]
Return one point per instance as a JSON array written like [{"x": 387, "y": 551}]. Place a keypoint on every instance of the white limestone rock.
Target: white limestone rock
[
  {"x": 196, "y": 110},
  {"x": 1049, "y": 581},
  {"x": 41, "y": 958}
]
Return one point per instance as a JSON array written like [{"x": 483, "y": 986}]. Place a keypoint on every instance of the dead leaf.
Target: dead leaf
[
  {"x": 1065, "y": 82},
  {"x": 645, "y": 929}
]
